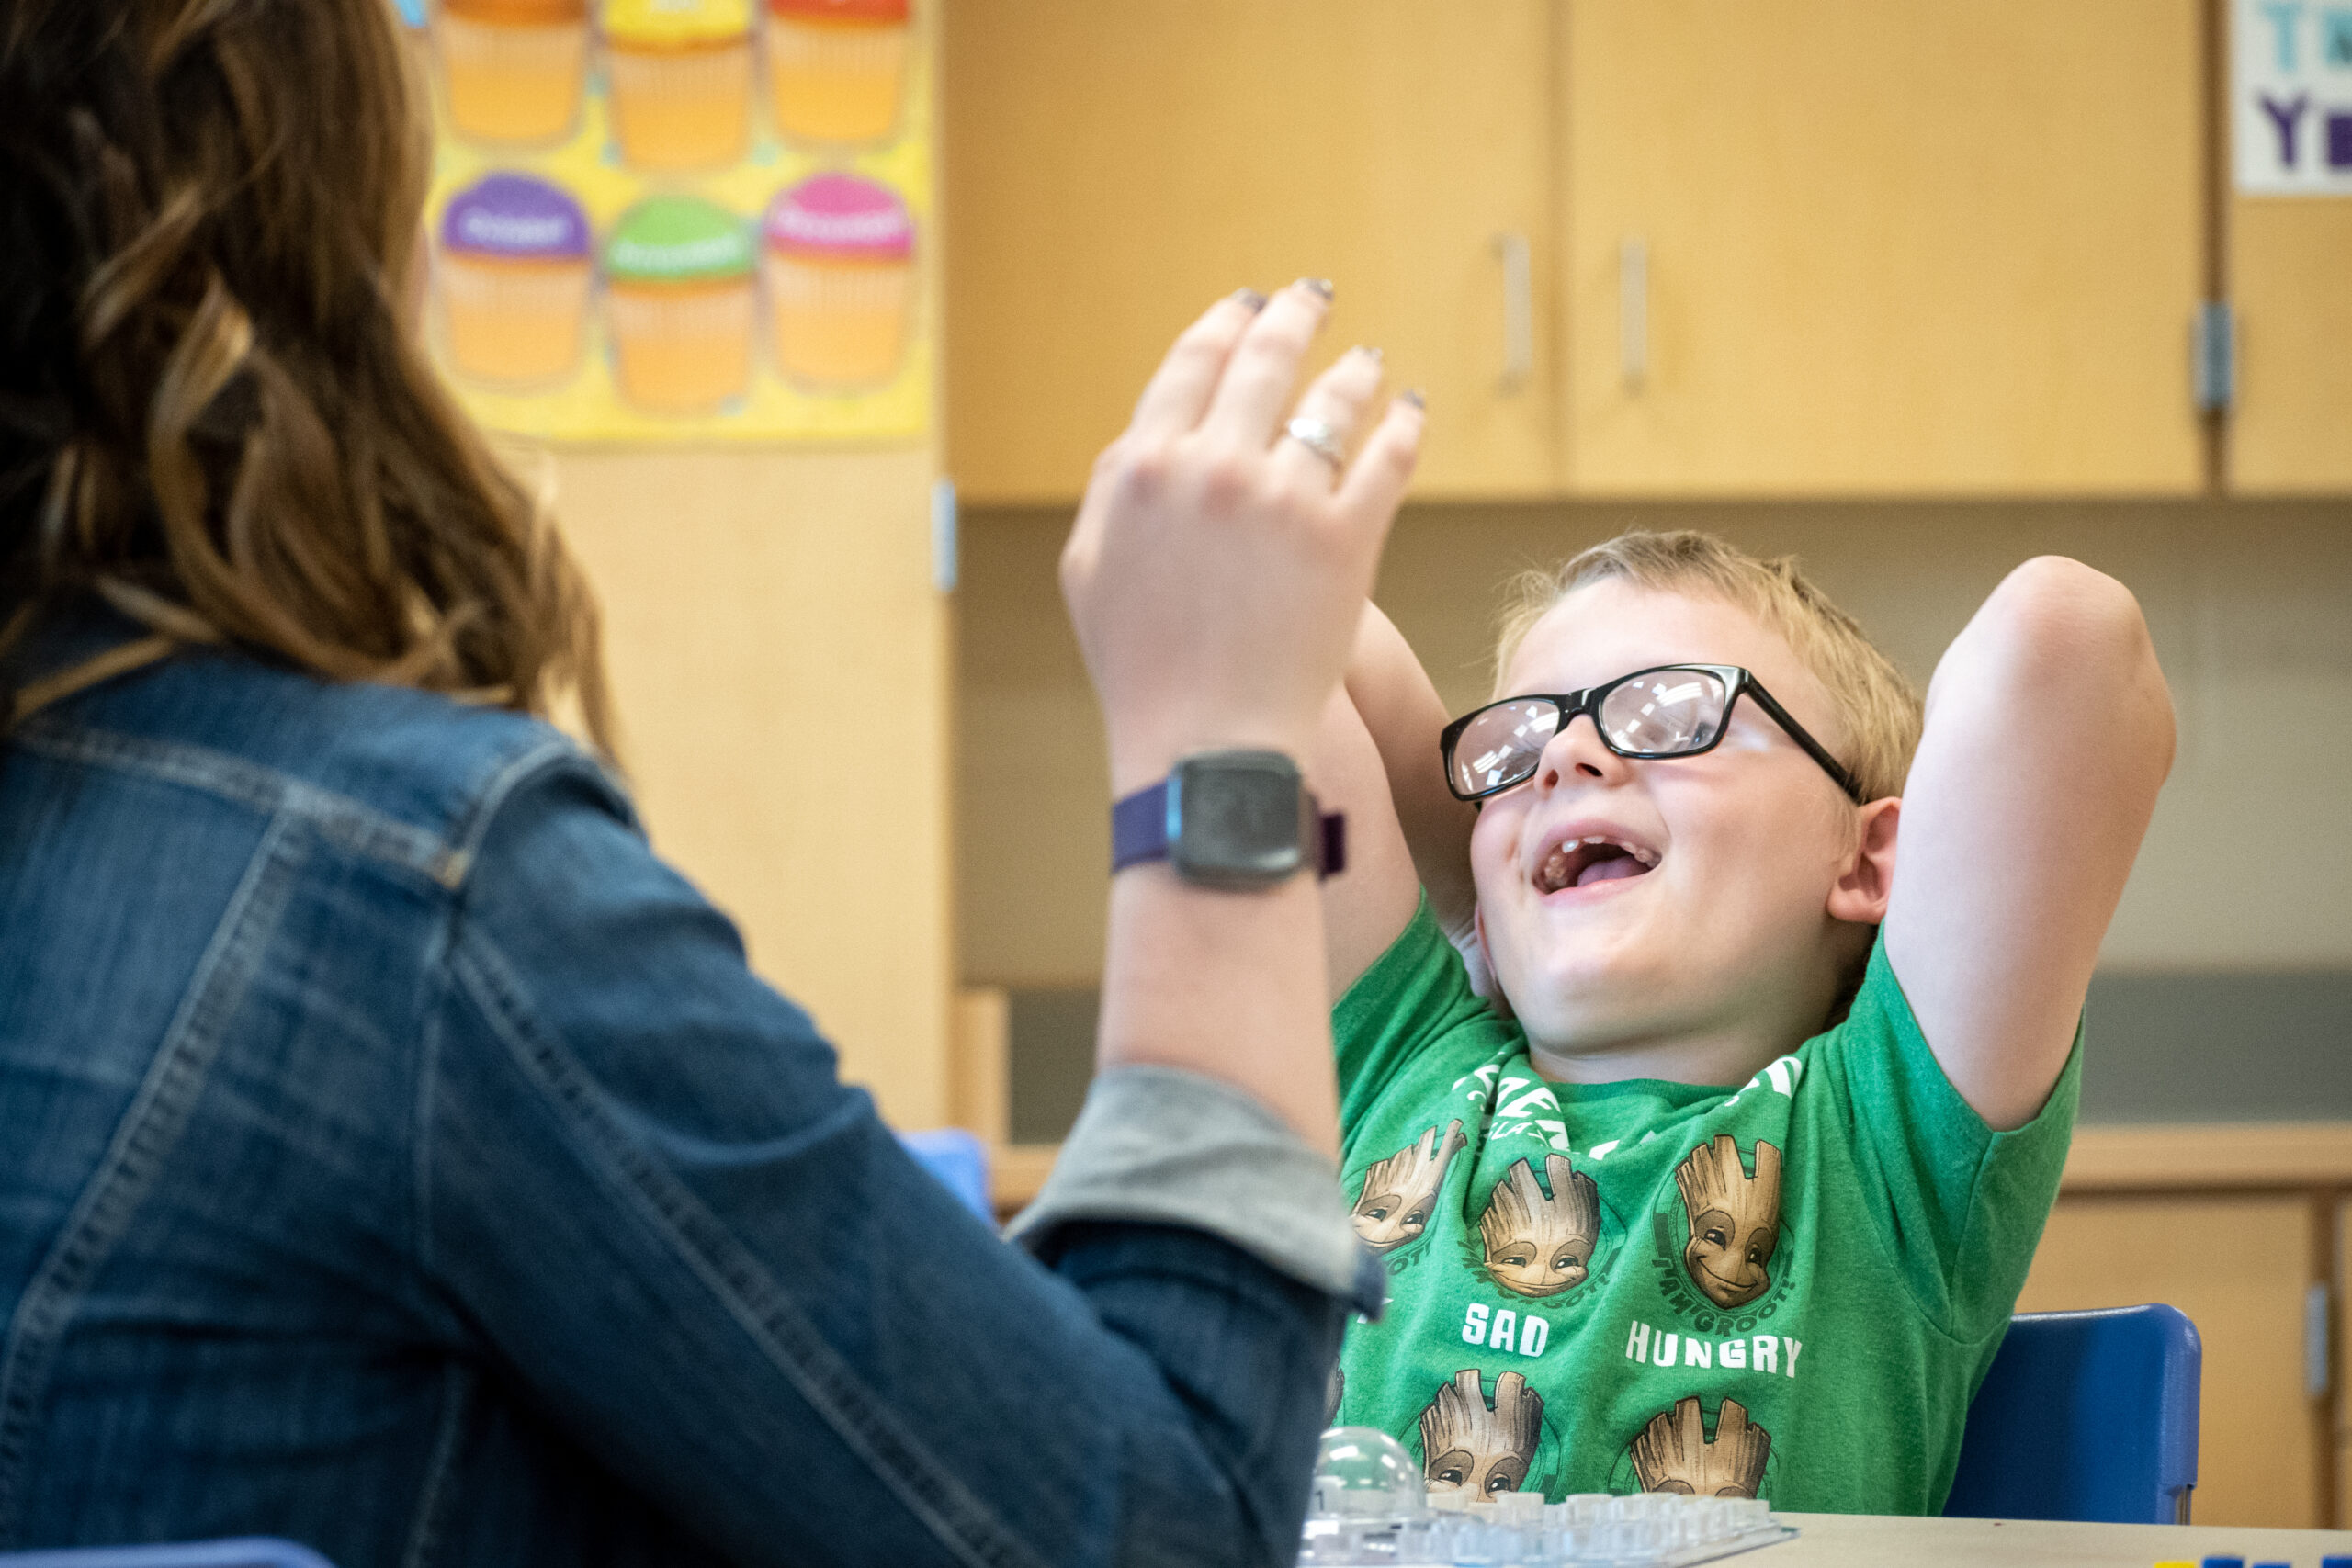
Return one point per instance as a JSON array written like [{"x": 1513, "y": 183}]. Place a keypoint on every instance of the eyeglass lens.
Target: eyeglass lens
[{"x": 1667, "y": 712}]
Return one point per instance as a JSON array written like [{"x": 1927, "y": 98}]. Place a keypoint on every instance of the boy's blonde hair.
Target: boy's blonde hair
[{"x": 1879, "y": 710}]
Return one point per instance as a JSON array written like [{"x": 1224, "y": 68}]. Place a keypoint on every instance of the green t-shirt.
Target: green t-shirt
[{"x": 1788, "y": 1290}]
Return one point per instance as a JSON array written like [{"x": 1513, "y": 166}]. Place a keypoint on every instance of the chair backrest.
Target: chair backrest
[
  {"x": 2088, "y": 1416},
  {"x": 246, "y": 1552},
  {"x": 958, "y": 1159}
]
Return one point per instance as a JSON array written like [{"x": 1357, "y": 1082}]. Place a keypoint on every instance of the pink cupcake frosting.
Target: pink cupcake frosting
[{"x": 839, "y": 216}]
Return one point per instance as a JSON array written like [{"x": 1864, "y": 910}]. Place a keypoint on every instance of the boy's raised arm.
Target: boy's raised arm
[
  {"x": 1376, "y": 758},
  {"x": 2049, "y": 730},
  {"x": 1401, "y": 708}
]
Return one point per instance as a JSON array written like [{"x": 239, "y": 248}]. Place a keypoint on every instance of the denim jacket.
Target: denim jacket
[{"x": 399, "y": 1158}]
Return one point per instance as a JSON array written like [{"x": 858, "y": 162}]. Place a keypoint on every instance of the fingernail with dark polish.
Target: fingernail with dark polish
[
  {"x": 1413, "y": 395},
  {"x": 1319, "y": 284},
  {"x": 1250, "y": 298}
]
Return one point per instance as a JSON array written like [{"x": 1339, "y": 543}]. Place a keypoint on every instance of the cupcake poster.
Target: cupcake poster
[{"x": 681, "y": 220}]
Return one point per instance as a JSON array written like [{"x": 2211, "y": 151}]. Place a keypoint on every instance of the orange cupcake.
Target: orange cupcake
[
  {"x": 837, "y": 68},
  {"x": 513, "y": 276},
  {"x": 840, "y": 264},
  {"x": 513, "y": 69},
  {"x": 680, "y": 76},
  {"x": 680, "y": 300}
]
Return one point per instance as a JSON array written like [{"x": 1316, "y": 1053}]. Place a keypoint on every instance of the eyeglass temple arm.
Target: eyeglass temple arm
[{"x": 1812, "y": 749}]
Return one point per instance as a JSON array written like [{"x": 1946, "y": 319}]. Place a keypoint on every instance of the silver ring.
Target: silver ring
[{"x": 1318, "y": 438}]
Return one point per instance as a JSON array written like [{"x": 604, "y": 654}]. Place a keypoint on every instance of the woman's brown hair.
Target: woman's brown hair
[{"x": 213, "y": 411}]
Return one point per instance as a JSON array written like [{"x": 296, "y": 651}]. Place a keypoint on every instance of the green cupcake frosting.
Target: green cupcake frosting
[{"x": 678, "y": 239}]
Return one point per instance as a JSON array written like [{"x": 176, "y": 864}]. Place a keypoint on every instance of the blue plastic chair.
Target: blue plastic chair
[
  {"x": 2088, "y": 1416},
  {"x": 958, "y": 1159},
  {"x": 246, "y": 1552}
]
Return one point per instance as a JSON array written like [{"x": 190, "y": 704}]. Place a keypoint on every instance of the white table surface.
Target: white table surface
[{"x": 1873, "y": 1541}]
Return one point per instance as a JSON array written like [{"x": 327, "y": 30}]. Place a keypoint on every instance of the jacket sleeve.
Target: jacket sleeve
[{"x": 708, "y": 1260}]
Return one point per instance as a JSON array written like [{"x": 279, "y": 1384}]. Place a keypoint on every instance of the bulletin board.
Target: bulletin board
[
  {"x": 2291, "y": 87},
  {"x": 681, "y": 221}
]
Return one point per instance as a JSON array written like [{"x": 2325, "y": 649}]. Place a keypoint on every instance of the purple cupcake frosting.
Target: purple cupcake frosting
[{"x": 515, "y": 216}]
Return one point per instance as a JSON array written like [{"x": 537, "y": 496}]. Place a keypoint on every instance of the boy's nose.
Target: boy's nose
[{"x": 1576, "y": 752}]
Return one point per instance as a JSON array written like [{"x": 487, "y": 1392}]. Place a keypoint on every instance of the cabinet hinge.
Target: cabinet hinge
[
  {"x": 2213, "y": 353},
  {"x": 945, "y": 546}
]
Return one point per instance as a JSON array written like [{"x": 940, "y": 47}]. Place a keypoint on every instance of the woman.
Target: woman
[{"x": 398, "y": 1156}]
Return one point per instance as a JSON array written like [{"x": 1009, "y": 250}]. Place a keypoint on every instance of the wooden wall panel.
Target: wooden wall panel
[{"x": 781, "y": 660}]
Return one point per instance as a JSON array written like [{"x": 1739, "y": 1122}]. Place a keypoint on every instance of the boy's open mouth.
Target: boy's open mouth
[{"x": 1582, "y": 863}]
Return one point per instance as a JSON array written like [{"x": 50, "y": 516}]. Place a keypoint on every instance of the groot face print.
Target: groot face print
[
  {"x": 1399, "y": 1193},
  {"x": 1673, "y": 1454},
  {"x": 1472, "y": 1448},
  {"x": 1734, "y": 1220},
  {"x": 1538, "y": 1245}
]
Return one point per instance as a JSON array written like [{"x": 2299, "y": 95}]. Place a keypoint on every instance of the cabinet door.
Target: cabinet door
[
  {"x": 770, "y": 623},
  {"x": 1848, "y": 246},
  {"x": 2239, "y": 1267},
  {"x": 1112, "y": 168},
  {"x": 2290, "y": 276}
]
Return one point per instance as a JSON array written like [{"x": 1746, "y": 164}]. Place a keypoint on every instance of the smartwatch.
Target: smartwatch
[{"x": 1238, "y": 819}]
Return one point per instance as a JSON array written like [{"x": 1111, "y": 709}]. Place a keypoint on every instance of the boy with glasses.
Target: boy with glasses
[{"x": 1730, "y": 1188}]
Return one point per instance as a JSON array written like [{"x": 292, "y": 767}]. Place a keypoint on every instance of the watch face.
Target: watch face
[{"x": 1237, "y": 815}]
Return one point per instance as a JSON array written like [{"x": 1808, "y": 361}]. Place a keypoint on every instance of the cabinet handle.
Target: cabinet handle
[
  {"x": 2318, "y": 1309},
  {"x": 1634, "y": 310},
  {"x": 1518, "y": 313}
]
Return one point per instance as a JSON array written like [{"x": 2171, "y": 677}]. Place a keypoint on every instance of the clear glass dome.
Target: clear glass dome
[{"x": 1361, "y": 1473}]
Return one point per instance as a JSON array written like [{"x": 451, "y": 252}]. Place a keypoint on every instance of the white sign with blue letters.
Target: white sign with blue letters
[{"x": 2292, "y": 92}]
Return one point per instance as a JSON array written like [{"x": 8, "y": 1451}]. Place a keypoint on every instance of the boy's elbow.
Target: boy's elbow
[
  {"x": 2067, "y": 627},
  {"x": 2056, "y": 615}
]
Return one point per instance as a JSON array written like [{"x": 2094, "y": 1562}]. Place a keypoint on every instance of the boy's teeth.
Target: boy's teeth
[
  {"x": 1647, "y": 858},
  {"x": 1570, "y": 864}
]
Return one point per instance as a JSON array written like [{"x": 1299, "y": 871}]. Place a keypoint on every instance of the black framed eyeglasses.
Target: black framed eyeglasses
[{"x": 1673, "y": 710}]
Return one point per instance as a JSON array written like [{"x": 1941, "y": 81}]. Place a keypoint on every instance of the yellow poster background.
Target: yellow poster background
[{"x": 588, "y": 406}]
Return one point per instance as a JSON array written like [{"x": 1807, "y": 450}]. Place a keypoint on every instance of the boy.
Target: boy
[{"x": 1737, "y": 1199}]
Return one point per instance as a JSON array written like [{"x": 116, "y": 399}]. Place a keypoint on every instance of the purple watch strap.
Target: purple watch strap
[
  {"x": 1334, "y": 846},
  {"x": 1140, "y": 831},
  {"x": 1140, "y": 826}
]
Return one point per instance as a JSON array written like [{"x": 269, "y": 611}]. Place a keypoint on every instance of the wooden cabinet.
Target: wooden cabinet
[
  {"x": 763, "y": 614},
  {"x": 1798, "y": 247},
  {"x": 2238, "y": 1267},
  {"x": 1109, "y": 169},
  {"x": 1838, "y": 246},
  {"x": 2290, "y": 278}
]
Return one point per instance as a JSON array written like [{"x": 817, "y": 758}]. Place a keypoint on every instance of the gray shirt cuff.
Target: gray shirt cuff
[{"x": 1160, "y": 1145}]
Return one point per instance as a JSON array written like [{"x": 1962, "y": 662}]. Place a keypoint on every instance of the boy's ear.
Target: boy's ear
[{"x": 1859, "y": 894}]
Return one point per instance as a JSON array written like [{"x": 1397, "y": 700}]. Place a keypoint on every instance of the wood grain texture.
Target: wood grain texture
[
  {"x": 2340, "y": 1405},
  {"x": 1112, "y": 169},
  {"x": 1892, "y": 249},
  {"x": 2238, "y": 1267},
  {"x": 780, "y": 663},
  {"x": 980, "y": 1077},
  {"x": 2210, "y": 1157},
  {"x": 2290, "y": 277},
  {"x": 1021, "y": 1171}
]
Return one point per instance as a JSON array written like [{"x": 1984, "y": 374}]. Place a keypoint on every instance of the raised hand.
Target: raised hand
[{"x": 1217, "y": 565}]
